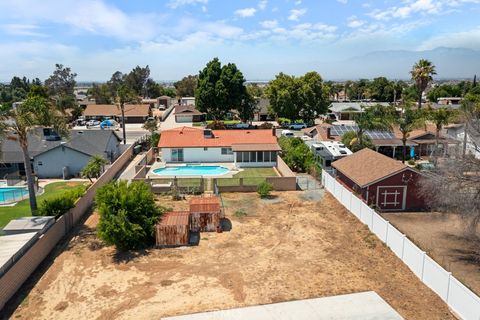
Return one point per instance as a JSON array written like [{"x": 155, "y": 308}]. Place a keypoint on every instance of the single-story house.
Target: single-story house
[
  {"x": 381, "y": 181},
  {"x": 245, "y": 148},
  {"x": 164, "y": 102},
  {"x": 67, "y": 158},
  {"x": 188, "y": 113},
  {"x": 348, "y": 110},
  {"x": 134, "y": 113}
]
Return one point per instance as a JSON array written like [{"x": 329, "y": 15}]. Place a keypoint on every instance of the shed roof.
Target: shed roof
[
  {"x": 175, "y": 218},
  {"x": 204, "y": 204},
  {"x": 367, "y": 166}
]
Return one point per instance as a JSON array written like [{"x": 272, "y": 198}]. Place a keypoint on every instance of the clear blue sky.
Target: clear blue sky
[{"x": 263, "y": 37}]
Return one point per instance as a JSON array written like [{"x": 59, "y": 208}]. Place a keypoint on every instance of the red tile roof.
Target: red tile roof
[{"x": 188, "y": 137}]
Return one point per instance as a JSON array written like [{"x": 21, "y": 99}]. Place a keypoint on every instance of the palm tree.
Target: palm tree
[
  {"x": 124, "y": 95},
  {"x": 407, "y": 121},
  {"x": 19, "y": 123},
  {"x": 440, "y": 118},
  {"x": 422, "y": 73}
]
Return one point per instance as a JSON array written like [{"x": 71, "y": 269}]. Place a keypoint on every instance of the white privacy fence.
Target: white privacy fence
[{"x": 458, "y": 297}]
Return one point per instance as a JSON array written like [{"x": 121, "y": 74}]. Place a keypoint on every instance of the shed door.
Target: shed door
[{"x": 391, "y": 197}]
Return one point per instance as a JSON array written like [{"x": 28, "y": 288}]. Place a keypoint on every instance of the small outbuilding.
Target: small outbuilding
[
  {"x": 173, "y": 229},
  {"x": 381, "y": 181},
  {"x": 205, "y": 214}
]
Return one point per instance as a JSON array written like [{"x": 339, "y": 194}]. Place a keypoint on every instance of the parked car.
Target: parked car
[
  {"x": 297, "y": 126},
  {"x": 306, "y": 138},
  {"x": 288, "y": 133},
  {"x": 92, "y": 123}
]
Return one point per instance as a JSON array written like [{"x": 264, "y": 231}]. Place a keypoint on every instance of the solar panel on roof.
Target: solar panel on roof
[{"x": 372, "y": 134}]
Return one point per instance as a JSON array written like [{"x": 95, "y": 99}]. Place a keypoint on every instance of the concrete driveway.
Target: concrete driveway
[{"x": 170, "y": 122}]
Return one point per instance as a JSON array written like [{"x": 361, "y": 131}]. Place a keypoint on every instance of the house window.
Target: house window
[
  {"x": 273, "y": 156},
  {"x": 177, "y": 155},
  {"x": 205, "y": 149},
  {"x": 227, "y": 151},
  {"x": 239, "y": 156},
  {"x": 253, "y": 156},
  {"x": 40, "y": 163},
  {"x": 260, "y": 156}
]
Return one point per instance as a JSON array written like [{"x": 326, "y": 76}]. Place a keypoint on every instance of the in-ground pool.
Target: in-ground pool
[
  {"x": 12, "y": 194},
  {"x": 191, "y": 171}
]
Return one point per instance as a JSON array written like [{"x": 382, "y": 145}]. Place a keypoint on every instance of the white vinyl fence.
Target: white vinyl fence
[{"x": 459, "y": 298}]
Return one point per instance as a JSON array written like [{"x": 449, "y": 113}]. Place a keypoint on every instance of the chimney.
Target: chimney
[
  {"x": 207, "y": 133},
  {"x": 329, "y": 135},
  {"x": 274, "y": 132}
]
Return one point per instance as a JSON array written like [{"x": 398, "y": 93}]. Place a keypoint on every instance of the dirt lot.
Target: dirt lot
[
  {"x": 442, "y": 236},
  {"x": 287, "y": 249}
]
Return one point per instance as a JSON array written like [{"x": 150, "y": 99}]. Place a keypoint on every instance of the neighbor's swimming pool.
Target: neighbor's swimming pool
[
  {"x": 192, "y": 171},
  {"x": 11, "y": 194}
]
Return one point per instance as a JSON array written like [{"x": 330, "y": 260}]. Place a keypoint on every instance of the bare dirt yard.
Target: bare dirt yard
[
  {"x": 284, "y": 249},
  {"x": 444, "y": 238}
]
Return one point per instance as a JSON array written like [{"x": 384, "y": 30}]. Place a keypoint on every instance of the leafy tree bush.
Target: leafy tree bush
[
  {"x": 216, "y": 125},
  {"x": 266, "y": 125},
  {"x": 60, "y": 205},
  {"x": 128, "y": 214},
  {"x": 296, "y": 154},
  {"x": 264, "y": 189}
]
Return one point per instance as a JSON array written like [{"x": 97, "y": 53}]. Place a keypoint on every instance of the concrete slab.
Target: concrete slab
[{"x": 365, "y": 305}]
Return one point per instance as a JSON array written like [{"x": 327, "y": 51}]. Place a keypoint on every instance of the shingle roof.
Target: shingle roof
[
  {"x": 90, "y": 142},
  {"x": 187, "y": 109},
  {"x": 367, "y": 166},
  {"x": 188, "y": 137}
]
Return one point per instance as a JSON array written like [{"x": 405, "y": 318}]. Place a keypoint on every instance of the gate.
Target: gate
[{"x": 307, "y": 182}]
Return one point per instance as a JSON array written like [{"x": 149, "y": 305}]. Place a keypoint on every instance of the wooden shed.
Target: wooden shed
[
  {"x": 173, "y": 229},
  {"x": 205, "y": 214}
]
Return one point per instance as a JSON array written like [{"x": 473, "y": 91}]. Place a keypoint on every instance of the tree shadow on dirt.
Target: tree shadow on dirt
[{"x": 124, "y": 257}]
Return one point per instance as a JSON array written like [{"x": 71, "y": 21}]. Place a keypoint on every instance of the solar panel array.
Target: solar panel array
[{"x": 372, "y": 134}]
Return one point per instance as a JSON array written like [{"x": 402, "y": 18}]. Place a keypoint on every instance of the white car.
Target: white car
[
  {"x": 297, "y": 126},
  {"x": 288, "y": 134},
  {"x": 306, "y": 138},
  {"x": 93, "y": 123},
  {"x": 241, "y": 126}
]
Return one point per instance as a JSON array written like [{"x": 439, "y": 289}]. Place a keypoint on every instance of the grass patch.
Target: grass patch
[
  {"x": 22, "y": 208},
  {"x": 226, "y": 122},
  {"x": 251, "y": 177}
]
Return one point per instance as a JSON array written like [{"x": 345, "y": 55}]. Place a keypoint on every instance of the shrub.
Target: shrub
[
  {"x": 94, "y": 167},
  {"x": 216, "y": 125},
  {"x": 282, "y": 121},
  {"x": 60, "y": 205},
  {"x": 350, "y": 139},
  {"x": 128, "y": 214},
  {"x": 264, "y": 189},
  {"x": 411, "y": 162},
  {"x": 266, "y": 125},
  {"x": 296, "y": 154},
  {"x": 240, "y": 213}
]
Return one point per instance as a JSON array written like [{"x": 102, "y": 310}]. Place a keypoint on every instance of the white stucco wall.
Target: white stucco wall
[
  {"x": 199, "y": 155},
  {"x": 56, "y": 159}
]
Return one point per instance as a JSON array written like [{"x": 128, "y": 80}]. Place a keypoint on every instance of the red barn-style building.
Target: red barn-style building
[{"x": 381, "y": 181}]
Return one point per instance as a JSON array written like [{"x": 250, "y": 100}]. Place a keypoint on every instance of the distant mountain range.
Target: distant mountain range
[{"x": 451, "y": 63}]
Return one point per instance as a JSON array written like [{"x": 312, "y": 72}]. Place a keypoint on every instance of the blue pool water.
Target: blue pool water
[
  {"x": 192, "y": 171},
  {"x": 10, "y": 194}
]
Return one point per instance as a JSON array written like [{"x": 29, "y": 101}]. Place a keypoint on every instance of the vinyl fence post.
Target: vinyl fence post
[
  {"x": 423, "y": 264},
  {"x": 386, "y": 233},
  {"x": 448, "y": 286},
  {"x": 403, "y": 244}
]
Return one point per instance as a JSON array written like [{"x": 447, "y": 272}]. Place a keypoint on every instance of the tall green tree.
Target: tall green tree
[
  {"x": 422, "y": 73},
  {"x": 282, "y": 93},
  {"x": 17, "y": 124},
  {"x": 440, "y": 118},
  {"x": 137, "y": 79},
  {"x": 374, "y": 118},
  {"x": 60, "y": 86},
  {"x": 94, "y": 167},
  {"x": 220, "y": 89},
  {"x": 186, "y": 87},
  {"x": 313, "y": 96},
  {"x": 101, "y": 93}
]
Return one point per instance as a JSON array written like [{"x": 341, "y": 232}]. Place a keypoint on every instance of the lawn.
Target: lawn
[
  {"x": 22, "y": 208},
  {"x": 288, "y": 249},
  {"x": 251, "y": 176}
]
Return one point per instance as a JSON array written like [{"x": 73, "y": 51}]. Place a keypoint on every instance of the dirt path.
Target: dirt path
[{"x": 292, "y": 249}]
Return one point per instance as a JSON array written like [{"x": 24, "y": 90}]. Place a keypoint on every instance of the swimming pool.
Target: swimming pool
[
  {"x": 191, "y": 171},
  {"x": 12, "y": 194}
]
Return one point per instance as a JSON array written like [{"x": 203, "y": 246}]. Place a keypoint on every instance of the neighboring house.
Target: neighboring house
[
  {"x": 188, "y": 113},
  {"x": 381, "y": 181},
  {"x": 424, "y": 140},
  {"x": 262, "y": 111},
  {"x": 450, "y": 101},
  {"x": 185, "y": 101},
  {"x": 457, "y": 132},
  {"x": 134, "y": 113},
  {"x": 245, "y": 148},
  {"x": 164, "y": 102},
  {"x": 348, "y": 110},
  {"x": 67, "y": 158},
  {"x": 326, "y": 152},
  {"x": 385, "y": 142}
]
